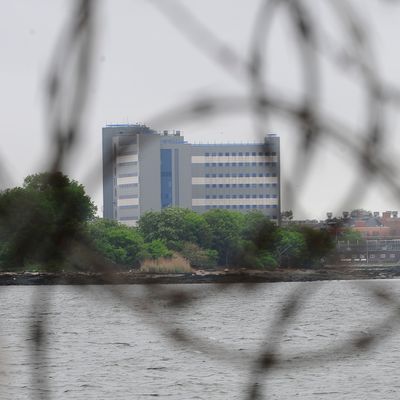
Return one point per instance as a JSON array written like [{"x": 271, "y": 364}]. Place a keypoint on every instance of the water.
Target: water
[{"x": 100, "y": 343}]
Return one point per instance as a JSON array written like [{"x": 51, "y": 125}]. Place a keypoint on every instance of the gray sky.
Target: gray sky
[{"x": 144, "y": 65}]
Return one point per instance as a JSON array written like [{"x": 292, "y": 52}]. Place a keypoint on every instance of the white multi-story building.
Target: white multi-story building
[{"x": 144, "y": 170}]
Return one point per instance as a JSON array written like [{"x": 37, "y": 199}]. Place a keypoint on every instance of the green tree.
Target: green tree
[
  {"x": 39, "y": 220},
  {"x": 157, "y": 249},
  {"x": 226, "y": 227},
  {"x": 350, "y": 235},
  {"x": 118, "y": 243},
  {"x": 198, "y": 257},
  {"x": 174, "y": 226},
  {"x": 290, "y": 247},
  {"x": 319, "y": 245},
  {"x": 259, "y": 229}
]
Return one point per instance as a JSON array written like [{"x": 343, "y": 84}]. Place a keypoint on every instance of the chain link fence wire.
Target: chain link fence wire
[{"x": 67, "y": 93}]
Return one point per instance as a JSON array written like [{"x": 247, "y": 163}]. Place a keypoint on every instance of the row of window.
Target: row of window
[
  {"x": 128, "y": 164},
  {"x": 241, "y": 154},
  {"x": 244, "y": 206},
  {"x": 254, "y": 175},
  {"x": 240, "y": 185},
  {"x": 131, "y": 207},
  {"x": 129, "y": 174},
  {"x": 240, "y": 164},
  {"x": 243, "y": 196},
  {"x": 128, "y": 185}
]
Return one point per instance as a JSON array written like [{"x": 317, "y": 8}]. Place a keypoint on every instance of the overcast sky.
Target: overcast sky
[{"x": 144, "y": 65}]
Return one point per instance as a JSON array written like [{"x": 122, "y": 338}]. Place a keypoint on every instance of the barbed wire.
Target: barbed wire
[{"x": 67, "y": 94}]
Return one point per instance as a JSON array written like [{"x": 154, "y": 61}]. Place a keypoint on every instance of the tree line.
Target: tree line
[{"x": 40, "y": 221}]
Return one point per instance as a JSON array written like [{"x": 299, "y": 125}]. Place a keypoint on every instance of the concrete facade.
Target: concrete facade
[{"x": 144, "y": 170}]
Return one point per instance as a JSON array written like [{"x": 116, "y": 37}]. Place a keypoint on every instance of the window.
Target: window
[
  {"x": 207, "y": 154},
  {"x": 233, "y": 154},
  {"x": 253, "y": 164},
  {"x": 253, "y": 153},
  {"x": 214, "y": 164},
  {"x": 207, "y": 175},
  {"x": 221, "y": 185},
  {"x": 240, "y": 196},
  {"x": 226, "y": 154},
  {"x": 253, "y": 206},
  {"x": 220, "y": 154},
  {"x": 228, "y": 196},
  {"x": 240, "y": 175},
  {"x": 226, "y": 175},
  {"x": 226, "y": 164},
  {"x": 260, "y": 196},
  {"x": 273, "y": 153},
  {"x": 228, "y": 206},
  {"x": 214, "y": 154},
  {"x": 247, "y": 164},
  {"x": 240, "y": 185},
  {"x": 207, "y": 164},
  {"x": 207, "y": 185},
  {"x": 254, "y": 185},
  {"x": 207, "y": 196},
  {"x": 253, "y": 175},
  {"x": 247, "y": 185},
  {"x": 254, "y": 196},
  {"x": 260, "y": 153},
  {"x": 247, "y": 175},
  {"x": 247, "y": 206},
  {"x": 260, "y": 175},
  {"x": 227, "y": 185},
  {"x": 247, "y": 154},
  {"x": 214, "y": 185},
  {"x": 240, "y": 164},
  {"x": 220, "y": 196},
  {"x": 240, "y": 154},
  {"x": 260, "y": 163},
  {"x": 234, "y": 196},
  {"x": 214, "y": 175},
  {"x": 241, "y": 206},
  {"x": 214, "y": 196},
  {"x": 247, "y": 196},
  {"x": 220, "y": 175},
  {"x": 233, "y": 164},
  {"x": 234, "y": 206},
  {"x": 234, "y": 185},
  {"x": 220, "y": 164},
  {"x": 234, "y": 175}
]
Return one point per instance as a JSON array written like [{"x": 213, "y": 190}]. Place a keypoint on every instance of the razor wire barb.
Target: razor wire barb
[{"x": 67, "y": 94}]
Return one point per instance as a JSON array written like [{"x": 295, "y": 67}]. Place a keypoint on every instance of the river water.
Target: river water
[{"x": 114, "y": 342}]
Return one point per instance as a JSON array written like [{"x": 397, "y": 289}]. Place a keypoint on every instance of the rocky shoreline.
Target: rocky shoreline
[{"x": 232, "y": 276}]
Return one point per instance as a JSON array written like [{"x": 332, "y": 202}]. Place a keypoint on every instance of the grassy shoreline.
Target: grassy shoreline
[{"x": 232, "y": 276}]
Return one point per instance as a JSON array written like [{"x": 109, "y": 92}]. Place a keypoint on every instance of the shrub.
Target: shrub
[
  {"x": 172, "y": 265},
  {"x": 198, "y": 257}
]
